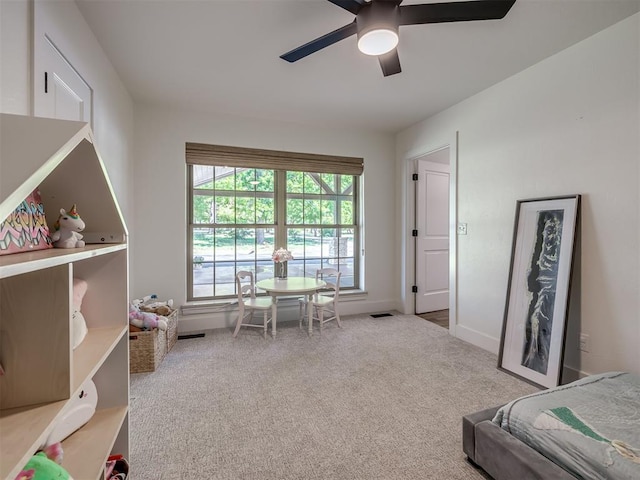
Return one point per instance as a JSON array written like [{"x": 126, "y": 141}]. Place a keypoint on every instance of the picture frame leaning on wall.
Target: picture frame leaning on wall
[{"x": 534, "y": 326}]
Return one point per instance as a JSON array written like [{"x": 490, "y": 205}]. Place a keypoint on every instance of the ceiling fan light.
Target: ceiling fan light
[{"x": 378, "y": 41}]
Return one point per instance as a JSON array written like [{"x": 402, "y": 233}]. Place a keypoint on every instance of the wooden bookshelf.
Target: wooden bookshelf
[{"x": 43, "y": 373}]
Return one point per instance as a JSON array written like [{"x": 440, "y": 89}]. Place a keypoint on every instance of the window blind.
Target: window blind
[{"x": 221, "y": 155}]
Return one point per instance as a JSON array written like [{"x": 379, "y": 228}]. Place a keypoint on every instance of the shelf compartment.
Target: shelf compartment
[
  {"x": 92, "y": 352},
  {"x": 86, "y": 450},
  {"x": 20, "y": 263},
  {"x": 35, "y": 318},
  {"x": 24, "y": 430}
]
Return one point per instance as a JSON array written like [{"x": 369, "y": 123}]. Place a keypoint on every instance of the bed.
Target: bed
[{"x": 588, "y": 429}]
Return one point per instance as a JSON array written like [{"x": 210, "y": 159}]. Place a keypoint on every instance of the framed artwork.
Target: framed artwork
[
  {"x": 533, "y": 331},
  {"x": 26, "y": 228}
]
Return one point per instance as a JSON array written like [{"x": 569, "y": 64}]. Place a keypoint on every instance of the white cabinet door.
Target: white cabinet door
[
  {"x": 60, "y": 91},
  {"x": 432, "y": 243}
]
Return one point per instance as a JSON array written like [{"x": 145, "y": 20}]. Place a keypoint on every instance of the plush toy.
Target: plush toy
[
  {"x": 163, "y": 310},
  {"x": 45, "y": 465},
  {"x": 146, "y": 320},
  {"x": 66, "y": 229}
]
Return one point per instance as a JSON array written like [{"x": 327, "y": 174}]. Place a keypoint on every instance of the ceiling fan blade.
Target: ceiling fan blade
[
  {"x": 320, "y": 43},
  {"x": 390, "y": 63},
  {"x": 454, "y": 11},
  {"x": 353, "y": 6}
]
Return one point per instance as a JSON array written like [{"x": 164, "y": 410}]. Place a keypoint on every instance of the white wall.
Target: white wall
[
  {"x": 567, "y": 125},
  {"x": 160, "y": 243},
  {"x": 112, "y": 105},
  {"x": 15, "y": 49}
]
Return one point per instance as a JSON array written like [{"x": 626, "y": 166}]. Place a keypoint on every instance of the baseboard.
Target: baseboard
[
  {"x": 570, "y": 374},
  {"x": 478, "y": 339},
  {"x": 288, "y": 311}
]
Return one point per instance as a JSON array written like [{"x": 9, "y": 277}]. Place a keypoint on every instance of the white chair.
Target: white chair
[
  {"x": 321, "y": 303},
  {"x": 248, "y": 303}
]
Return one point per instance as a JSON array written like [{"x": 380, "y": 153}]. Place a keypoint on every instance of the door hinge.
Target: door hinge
[
  {"x": 46, "y": 82},
  {"x": 414, "y": 233},
  {"x": 414, "y": 289},
  {"x": 414, "y": 177}
]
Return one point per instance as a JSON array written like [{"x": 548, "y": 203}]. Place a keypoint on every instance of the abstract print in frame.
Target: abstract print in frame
[{"x": 533, "y": 332}]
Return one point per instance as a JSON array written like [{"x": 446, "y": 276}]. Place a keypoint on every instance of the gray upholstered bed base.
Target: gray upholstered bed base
[{"x": 501, "y": 455}]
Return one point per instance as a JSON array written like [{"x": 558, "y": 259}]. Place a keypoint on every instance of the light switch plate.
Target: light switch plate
[{"x": 462, "y": 229}]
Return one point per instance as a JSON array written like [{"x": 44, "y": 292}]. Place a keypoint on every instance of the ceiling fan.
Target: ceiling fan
[{"x": 377, "y": 22}]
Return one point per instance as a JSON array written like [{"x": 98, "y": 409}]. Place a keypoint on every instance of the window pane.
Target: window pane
[
  {"x": 265, "y": 210},
  {"x": 245, "y": 179},
  {"x": 224, "y": 278},
  {"x": 245, "y": 210},
  {"x": 203, "y": 176},
  {"x": 310, "y": 183},
  {"x": 264, "y": 243},
  {"x": 265, "y": 179},
  {"x": 346, "y": 184},
  {"x": 329, "y": 243},
  {"x": 202, "y": 208},
  {"x": 329, "y": 211},
  {"x": 202, "y": 246},
  {"x": 295, "y": 242},
  {"x": 245, "y": 247},
  {"x": 295, "y": 212},
  {"x": 225, "y": 211},
  {"x": 295, "y": 182},
  {"x": 264, "y": 269},
  {"x": 202, "y": 288},
  {"x": 312, "y": 211},
  {"x": 225, "y": 178},
  {"x": 329, "y": 181},
  {"x": 225, "y": 244},
  {"x": 346, "y": 212},
  {"x": 347, "y": 280}
]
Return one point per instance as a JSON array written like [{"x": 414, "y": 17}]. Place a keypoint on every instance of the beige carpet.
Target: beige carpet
[{"x": 378, "y": 399}]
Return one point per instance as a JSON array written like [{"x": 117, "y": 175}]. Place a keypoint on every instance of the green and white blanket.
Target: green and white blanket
[{"x": 590, "y": 427}]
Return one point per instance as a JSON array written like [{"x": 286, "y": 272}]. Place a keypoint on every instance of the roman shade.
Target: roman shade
[{"x": 221, "y": 155}]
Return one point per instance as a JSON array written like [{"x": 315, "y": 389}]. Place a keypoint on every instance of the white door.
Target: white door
[
  {"x": 60, "y": 92},
  {"x": 432, "y": 242}
]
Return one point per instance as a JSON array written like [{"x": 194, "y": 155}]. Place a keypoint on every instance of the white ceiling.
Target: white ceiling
[{"x": 223, "y": 56}]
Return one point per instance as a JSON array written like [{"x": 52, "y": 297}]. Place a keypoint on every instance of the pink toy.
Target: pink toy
[{"x": 146, "y": 320}]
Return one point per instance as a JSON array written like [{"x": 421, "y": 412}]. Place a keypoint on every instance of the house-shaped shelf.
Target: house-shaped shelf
[
  {"x": 58, "y": 158},
  {"x": 42, "y": 372}
]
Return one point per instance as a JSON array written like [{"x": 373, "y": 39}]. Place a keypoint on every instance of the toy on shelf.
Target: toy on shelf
[
  {"x": 78, "y": 324},
  {"x": 145, "y": 320},
  {"x": 45, "y": 465},
  {"x": 75, "y": 414},
  {"x": 117, "y": 468},
  {"x": 67, "y": 228}
]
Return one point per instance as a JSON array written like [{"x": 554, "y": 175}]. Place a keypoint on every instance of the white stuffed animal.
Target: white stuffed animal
[{"x": 67, "y": 229}]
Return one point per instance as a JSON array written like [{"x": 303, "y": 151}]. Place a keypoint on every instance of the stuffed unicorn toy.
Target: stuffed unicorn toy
[{"x": 66, "y": 229}]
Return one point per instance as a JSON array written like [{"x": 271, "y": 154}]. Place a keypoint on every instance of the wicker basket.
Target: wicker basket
[{"x": 148, "y": 349}]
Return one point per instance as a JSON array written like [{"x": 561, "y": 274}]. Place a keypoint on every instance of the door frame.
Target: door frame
[{"x": 409, "y": 275}]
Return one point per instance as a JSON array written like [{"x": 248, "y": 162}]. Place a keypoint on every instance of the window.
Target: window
[{"x": 238, "y": 215}]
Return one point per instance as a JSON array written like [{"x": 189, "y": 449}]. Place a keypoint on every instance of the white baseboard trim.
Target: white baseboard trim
[
  {"x": 569, "y": 374},
  {"x": 478, "y": 339},
  {"x": 288, "y": 310}
]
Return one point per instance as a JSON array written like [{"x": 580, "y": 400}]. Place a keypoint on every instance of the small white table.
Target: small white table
[{"x": 289, "y": 286}]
